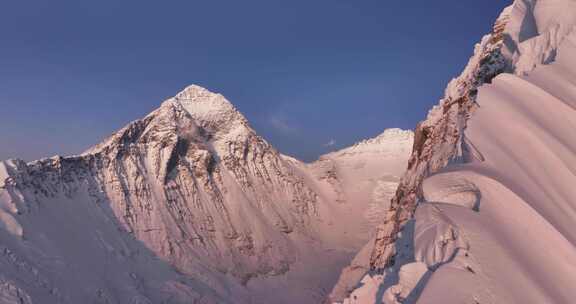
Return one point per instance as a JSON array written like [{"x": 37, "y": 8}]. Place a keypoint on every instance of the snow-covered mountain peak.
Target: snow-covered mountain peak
[
  {"x": 194, "y": 91},
  {"x": 393, "y": 134},
  {"x": 392, "y": 140},
  {"x": 195, "y": 114},
  {"x": 209, "y": 110},
  {"x": 212, "y": 112}
]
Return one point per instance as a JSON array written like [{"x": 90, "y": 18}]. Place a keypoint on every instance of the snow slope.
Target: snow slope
[
  {"x": 368, "y": 173},
  {"x": 189, "y": 205},
  {"x": 494, "y": 223},
  {"x": 520, "y": 247}
]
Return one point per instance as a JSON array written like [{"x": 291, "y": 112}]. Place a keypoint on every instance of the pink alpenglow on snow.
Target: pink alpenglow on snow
[
  {"x": 190, "y": 205},
  {"x": 489, "y": 207}
]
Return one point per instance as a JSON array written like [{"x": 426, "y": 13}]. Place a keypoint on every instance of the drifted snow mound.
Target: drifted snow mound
[
  {"x": 189, "y": 205},
  {"x": 523, "y": 238},
  {"x": 495, "y": 223},
  {"x": 451, "y": 189}
]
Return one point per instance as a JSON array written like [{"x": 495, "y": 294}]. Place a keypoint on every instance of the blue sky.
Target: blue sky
[{"x": 310, "y": 76}]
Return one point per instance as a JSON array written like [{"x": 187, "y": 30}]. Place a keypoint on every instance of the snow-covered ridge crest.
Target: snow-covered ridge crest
[
  {"x": 393, "y": 140},
  {"x": 438, "y": 139},
  {"x": 389, "y": 136},
  {"x": 472, "y": 190},
  {"x": 526, "y": 35}
]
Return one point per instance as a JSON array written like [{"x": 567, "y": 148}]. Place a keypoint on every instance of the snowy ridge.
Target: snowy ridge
[
  {"x": 490, "y": 205},
  {"x": 393, "y": 140},
  {"x": 474, "y": 208},
  {"x": 439, "y": 139},
  {"x": 368, "y": 171},
  {"x": 367, "y": 174}
]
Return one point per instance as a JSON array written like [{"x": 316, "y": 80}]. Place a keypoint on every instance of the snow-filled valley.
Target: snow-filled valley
[{"x": 190, "y": 205}]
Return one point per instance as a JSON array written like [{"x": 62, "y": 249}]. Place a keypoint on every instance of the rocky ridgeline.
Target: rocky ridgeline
[
  {"x": 439, "y": 139},
  {"x": 518, "y": 44}
]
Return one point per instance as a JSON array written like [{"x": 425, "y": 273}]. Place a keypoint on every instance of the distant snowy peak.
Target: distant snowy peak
[
  {"x": 194, "y": 115},
  {"x": 391, "y": 140},
  {"x": 195, "y": 92},
  {"x": 389, "y": 136}
]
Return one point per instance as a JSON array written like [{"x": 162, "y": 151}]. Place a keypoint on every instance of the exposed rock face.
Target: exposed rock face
[
  {"x": 188, "y": 161},
  {"x": 187, "y": 204}
]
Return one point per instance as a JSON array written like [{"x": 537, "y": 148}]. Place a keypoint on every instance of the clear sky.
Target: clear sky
[{"x": 310, "y": 75}]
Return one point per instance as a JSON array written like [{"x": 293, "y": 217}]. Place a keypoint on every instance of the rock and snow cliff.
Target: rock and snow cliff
[
  {"x": 189, "y": 205},
  {"x": 485, "y": 210}
]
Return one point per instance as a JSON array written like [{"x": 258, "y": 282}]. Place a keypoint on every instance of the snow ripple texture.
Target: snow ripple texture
[{"x": 491, "y": 211}]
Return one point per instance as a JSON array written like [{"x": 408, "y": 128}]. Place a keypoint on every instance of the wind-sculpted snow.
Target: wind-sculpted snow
[
  {"x": 522, "y": 237},
  {"x": 536, "y": 30},
  {"x": 451, "y": 189},
  {"x": 189, "y": 205},
  {"x": 492, "y": 219},
  {"x": 439, "y": 139}
]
